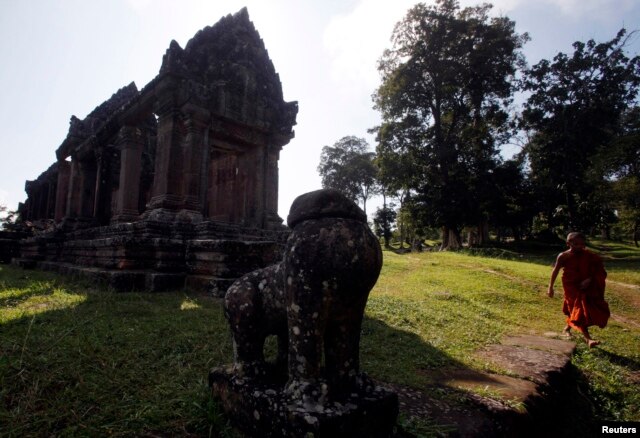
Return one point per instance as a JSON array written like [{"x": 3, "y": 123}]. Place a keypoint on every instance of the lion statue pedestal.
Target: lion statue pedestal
[{"x": 313, "y": 301}]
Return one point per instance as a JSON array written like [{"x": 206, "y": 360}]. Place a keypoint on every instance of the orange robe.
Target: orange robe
[{"x": 584, "y": 307}]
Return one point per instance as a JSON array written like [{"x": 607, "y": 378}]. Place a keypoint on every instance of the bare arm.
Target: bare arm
[{"x": 554, "y": 274}]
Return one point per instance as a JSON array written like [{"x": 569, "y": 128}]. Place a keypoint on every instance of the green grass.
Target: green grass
[
  {"x": 76, "y": 360},
  {"x": 435, "y": 309},
  {"x": 80, "y": 361}
]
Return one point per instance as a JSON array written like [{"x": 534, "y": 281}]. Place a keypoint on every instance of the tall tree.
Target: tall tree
[
  {"x": 573, "y": 110},
  {"x": 383, "y": 221},
  {"x": 513, "y": 203},
  {"x": 446, "y": 84},
  {"x": 620, "y": 165},
  {"x": 348, "y": 166}
]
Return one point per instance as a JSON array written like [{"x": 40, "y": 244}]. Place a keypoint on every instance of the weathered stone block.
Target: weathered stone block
[
  {"x": 262, "y": 409},
  {"x": 229, "y": 258},
  {"x": 9, "y": 248},
  {"x": 160, "y": 282}
]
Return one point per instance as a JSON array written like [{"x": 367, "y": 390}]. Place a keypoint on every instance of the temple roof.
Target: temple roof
[
  {"x": 231, "y": 55},
  {"x": 215, "y": 53},
  {"x": 82, "y": 129},
  {"x": 228, "y": 58}
]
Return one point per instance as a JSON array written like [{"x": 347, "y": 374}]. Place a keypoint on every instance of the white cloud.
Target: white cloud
[
  {"x": 603, "y": 8},
  {"x": 355, "y": 41},
  {"x": 139, "y": 5}
]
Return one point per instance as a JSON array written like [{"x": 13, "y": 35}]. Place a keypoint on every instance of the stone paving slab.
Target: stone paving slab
[
  {"x": 526, "y": 363},
  {"x": 513, "y": 389},
  {"x": 497, "y": 404},
  {"x": 547, "y": 342}
]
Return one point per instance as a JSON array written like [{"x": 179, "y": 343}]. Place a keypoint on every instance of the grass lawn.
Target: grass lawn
[{"x": 78, "y": 360}]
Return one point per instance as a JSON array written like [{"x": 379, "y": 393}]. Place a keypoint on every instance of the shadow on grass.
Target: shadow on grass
[
  {"x": 136, "y": 364},
  {"x": 632, "y": 365},
  {"x": 110, "y": 364},
  {"x": 421, "y": 375}
]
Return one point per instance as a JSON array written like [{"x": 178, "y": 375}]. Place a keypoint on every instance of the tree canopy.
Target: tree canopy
[
  {"x": 573, "y": 112},
  {"x": 348, "y": 166},
  {"x": 447, "y": 108},
  {"x": 446, "y": 86}
]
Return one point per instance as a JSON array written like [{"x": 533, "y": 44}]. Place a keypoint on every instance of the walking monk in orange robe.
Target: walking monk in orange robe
[{"x": 583, "y": 281}]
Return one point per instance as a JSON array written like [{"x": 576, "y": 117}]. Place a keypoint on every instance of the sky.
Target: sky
[{"x": 65, "y": 57}]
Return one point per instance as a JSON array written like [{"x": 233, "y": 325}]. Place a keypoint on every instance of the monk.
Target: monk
[{"x": 583, "y": 281}]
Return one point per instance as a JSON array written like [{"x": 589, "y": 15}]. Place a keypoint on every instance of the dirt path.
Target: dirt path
[{"x": 627, "y": 285}]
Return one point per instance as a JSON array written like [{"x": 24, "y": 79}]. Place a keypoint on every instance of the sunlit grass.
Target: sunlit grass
[
  {"x": 80, "y": 361},
  {"x": 446, "y": 306},
  {"x": 33, "y": 293}
]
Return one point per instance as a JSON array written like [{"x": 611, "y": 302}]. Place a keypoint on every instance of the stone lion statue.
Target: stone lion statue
[{"x": 313, "y": 300}]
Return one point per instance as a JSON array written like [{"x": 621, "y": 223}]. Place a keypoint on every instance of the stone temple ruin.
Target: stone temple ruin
[{"x": 175, "y": 184}]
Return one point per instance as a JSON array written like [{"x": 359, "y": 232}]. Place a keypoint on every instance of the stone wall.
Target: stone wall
[{"x": 10, "y": 245}]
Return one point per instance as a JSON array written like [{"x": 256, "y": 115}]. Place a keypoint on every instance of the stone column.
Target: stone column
[
  {"x": 51, "y": 198},
  {"x": 62, "y": 189},
  {"x": 87, "y": 188},
  {"x": 38, "y": 198},
  {"x": 167, "y": 198},
  {"x": 44, "y": 200},
  {"x": 73, "y": 195},
  {"x": 131, "y": 143},
  {"x": 97, "y": 194},
  {"x": 195, "y": 152},
  {"x": 272, "y": 220}
]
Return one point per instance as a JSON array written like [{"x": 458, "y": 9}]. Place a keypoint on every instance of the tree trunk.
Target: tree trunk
[
  {"x": 517, "y": 235},
  {"x": 571, "y": 207},
  {"x": 472, "y": 238},
  {"x": 450, "y": 239},
  {"x": 636, "y": 233},
  {"x": 483, "y": 232},
  {"x": 387, "y": 243}
]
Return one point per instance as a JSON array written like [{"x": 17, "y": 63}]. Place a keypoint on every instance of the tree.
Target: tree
[
  {"x": 383, "y": 221},
  {"x": 620, "y": 165},
  {"x": 573, "y": 111},
  {"x": 348, "y": 166},
  {"x": 7, "y": 218},
  {"x": 446, "y": 84},
  {"x": 513, "y": 203}
]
